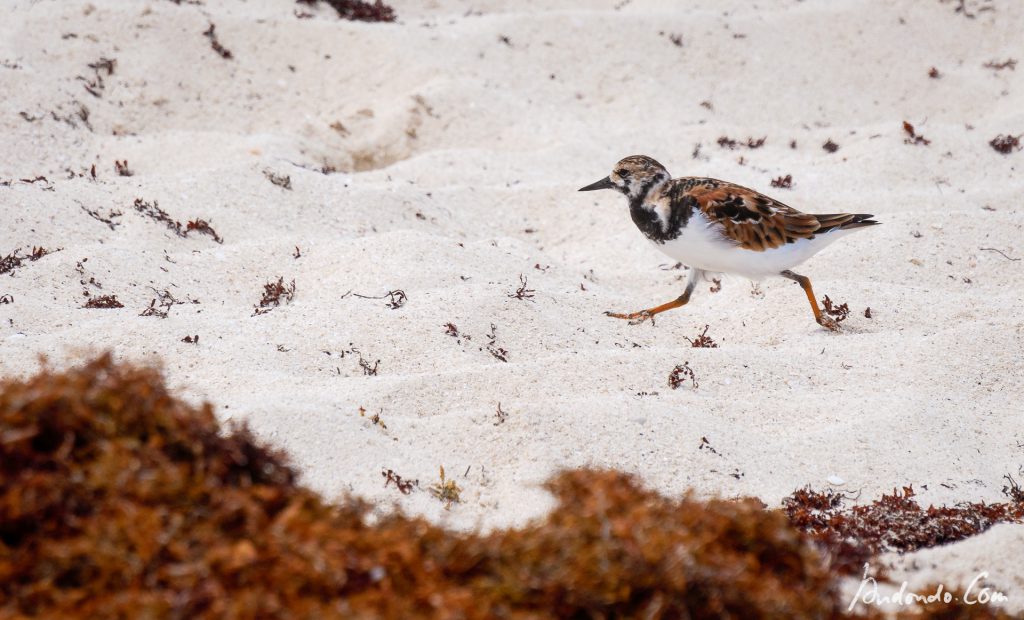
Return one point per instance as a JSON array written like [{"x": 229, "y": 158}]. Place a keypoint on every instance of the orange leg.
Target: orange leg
[
  {"x": 641, "y": 316},
  {"x": 805, "y": 283}
]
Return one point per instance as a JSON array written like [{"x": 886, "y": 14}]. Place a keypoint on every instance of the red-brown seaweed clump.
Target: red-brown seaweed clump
[
  {"x": 853, "y": 535},
  {"x": 118, "y": 500}
]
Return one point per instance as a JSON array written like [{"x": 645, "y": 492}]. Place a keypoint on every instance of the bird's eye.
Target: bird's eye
[{"x": 622, "y": 172}]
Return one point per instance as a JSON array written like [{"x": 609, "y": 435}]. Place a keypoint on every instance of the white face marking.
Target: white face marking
[
  {"x": 663, "y": 209},
  {"x": 617, "y": 180},
  {"x": 661, "y": 206},
  {"x": 634, "y": 183}
]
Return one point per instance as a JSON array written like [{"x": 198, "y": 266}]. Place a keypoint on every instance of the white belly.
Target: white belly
[{"x": 704, "y": 248}]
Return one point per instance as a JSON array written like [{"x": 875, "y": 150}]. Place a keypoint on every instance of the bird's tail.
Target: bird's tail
[{"x": 844, "y": 221}]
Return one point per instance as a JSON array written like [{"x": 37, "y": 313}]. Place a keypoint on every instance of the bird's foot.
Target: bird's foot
[{"x": 634, "y": 318}]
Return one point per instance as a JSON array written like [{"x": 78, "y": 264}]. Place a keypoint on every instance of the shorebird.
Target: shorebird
[{"x": 714, "y": 226}]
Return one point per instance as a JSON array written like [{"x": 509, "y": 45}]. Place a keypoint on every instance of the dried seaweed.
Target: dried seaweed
[
  {"x": 1009, "y": 63},
  {"x": 703, "y": 341},
  {"x": 153, "y": 211},
  {"x": 706, "y": 445},
  {"x": 281, "y": 180},
  {"x": 785, "y": 182},
  {"x": 121, "y": 168},
  {"x": 11, "y": 262},
  {"x": 404, "y": 485},
  {"x": 161, "y": 305},
  {"x": 522, "y": 292},
  {"x": 912, "y": 136},
  {"x": 839, "y": 313},
  {"x": 375, "y": 419},
  {"x": 1005, "y": 144},
  {"x": 79, "y": 115},
  {"x": 14, "y": 260},
  {"x": 104, "y": 64},
  {"x": 117, "y": 499},
  {"x": 397, "y": 298},
  {"x": 728, "y": 143},
  {"x": 934, "y": 74},
  {"x": 202, "y": 227},
  {"x": 830, "y": 146},
  {"x": 896, "y": 522},
  {"x": 679, "y": 374},
  {"x": 108, "y": 219},
  {"x": 1013, "y": 490},
  {"x": 210, "y": 33},
  {"x": 91, "y": 282},
  {"x": 273, "y": 294},
  {"x": 96, "y": 85},
  {"x": 368, "y": 370},
  {"x": 47, "y": 187},
  {"x": 500, "y": 416},
  {"x": 675, "y": 38},
  {"x": 497, "y": 352},
  {"x": 103, "y": 301},
  {"x": 983, "y": 6},
  {"x": 358, "y": 10}
]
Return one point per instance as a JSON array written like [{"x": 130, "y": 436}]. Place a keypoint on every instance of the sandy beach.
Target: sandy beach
[{"x": 439, "y": 157}]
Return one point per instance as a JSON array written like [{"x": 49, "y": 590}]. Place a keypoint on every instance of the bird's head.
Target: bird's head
[{"x": 634, "y": 176}]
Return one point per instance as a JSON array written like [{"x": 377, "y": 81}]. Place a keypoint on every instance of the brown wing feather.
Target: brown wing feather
[{"x": 755, "y": 221}]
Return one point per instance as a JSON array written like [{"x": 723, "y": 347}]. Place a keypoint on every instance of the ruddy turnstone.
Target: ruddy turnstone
[{"x": 719, "y": 227}]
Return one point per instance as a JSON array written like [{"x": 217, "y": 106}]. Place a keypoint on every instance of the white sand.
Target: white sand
[{"x": 454, "y": 145}]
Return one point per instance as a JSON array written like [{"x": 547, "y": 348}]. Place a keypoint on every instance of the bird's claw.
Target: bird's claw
[
  {"x": 634, "y": 318},
  {"x": 641, "y": 317}
]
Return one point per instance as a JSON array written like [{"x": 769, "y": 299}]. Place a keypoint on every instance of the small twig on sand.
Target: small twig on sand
[{"x": 1000, "y": 252}]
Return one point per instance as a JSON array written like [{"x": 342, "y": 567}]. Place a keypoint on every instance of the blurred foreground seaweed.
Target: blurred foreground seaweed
[{"x": 119, "y": 500}]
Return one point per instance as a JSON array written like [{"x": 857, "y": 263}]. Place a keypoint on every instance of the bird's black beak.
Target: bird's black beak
[{"x": 605, "y": 183}]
